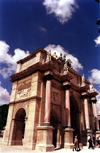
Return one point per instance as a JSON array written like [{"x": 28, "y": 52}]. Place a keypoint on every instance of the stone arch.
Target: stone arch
[
  {"x": 20, "y": 106},
  {"x": 75, "y": 117},
  {"x": 19, "y": 126}
]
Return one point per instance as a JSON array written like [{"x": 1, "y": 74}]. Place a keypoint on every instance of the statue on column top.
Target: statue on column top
[
  {"x": 69, "y": 62},
  {"x": 60, "y": 57},
  {"x": 83, "y": 80},
  {"x": 48, "y": 56},
  {"x": 54, "y": 55},
  {"x": 92, "y": 85},
  {"x": 65, "y": 68},
  {"x": 64, "y": 58}
]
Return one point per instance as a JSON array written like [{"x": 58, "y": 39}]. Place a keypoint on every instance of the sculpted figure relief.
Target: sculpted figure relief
[{"x": 23, "y": 93}]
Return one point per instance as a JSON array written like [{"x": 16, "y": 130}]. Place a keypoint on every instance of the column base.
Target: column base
[
  {"x": 29, "y": 145},
  {"x": 44, "y": 148},
  {"x": 68, "y": 138},
  {"x": 44, "y": 138}
]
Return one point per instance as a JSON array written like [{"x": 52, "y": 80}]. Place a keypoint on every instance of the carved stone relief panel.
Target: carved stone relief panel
[{"x": 24, "y": 88}]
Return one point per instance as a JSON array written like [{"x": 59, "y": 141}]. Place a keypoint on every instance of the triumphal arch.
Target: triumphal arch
[{"x": 50, "y": 104}]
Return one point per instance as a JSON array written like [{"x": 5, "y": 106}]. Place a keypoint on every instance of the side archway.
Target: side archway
[{"x": 19, "y": 126}]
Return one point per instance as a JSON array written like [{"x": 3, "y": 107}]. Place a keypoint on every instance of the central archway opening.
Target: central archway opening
[
  {"x": 54, "y": 121},
  {"x": 19, "y": 126},
  {"x": 75, "y": 118}
]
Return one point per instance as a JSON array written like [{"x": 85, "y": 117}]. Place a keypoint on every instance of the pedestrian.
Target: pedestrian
[
  {"x": 88, "y": 139},
  {"x": 93, "y": 140},
  {"x": 98, "y": 141},
  {"x": 90, "y": 143},
  {"x": 75, "y": 143}
]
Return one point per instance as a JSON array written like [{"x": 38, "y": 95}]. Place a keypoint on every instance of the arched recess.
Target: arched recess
[
  {"x": 75, "y": 118},
  {"x": 54, "y": 121},
  {"x": 19, "y": 126}
]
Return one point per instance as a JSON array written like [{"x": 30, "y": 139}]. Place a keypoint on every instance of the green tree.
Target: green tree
[{"x": 3, "y": 115}]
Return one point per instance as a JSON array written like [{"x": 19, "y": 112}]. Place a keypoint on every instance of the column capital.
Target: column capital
[
  {"x": 93, "y": 99},
  {"x": 48, "y": 75},
  {"x": 66, "y": 85},
  {"x": 84, "y": 95}
]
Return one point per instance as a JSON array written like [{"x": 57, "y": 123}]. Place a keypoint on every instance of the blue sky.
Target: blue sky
[{"x": 67, "y": 26}]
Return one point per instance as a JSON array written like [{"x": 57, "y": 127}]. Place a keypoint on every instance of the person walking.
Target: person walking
[
  {"x": 90, "y": 143},
  {"x": 98, "y": 141},
  {"x": 75, "y": 143},
  {"x": 93, "y": 140}
]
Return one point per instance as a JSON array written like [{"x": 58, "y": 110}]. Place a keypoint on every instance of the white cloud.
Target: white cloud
[
  {"x": 10, "y": 60},
  {"x": 97, "y": 41},
  {"x": 95, "y": 76},
  {"x": 59, "y": 49},
  {"x": 62, "y": 9},
  {"x": 4, "y": 96},
  {"x": 42, "y": 29}
]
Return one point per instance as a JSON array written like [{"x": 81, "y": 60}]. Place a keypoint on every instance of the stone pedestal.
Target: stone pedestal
[
  {"x": 68, "y": 138},
  {"x": 44, "y": 138}
]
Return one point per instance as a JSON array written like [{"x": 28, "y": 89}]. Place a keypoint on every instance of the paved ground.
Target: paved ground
[{"x": 21, "y": 149}]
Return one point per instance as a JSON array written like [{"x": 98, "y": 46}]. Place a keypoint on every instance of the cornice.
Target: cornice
[
  {"x": 92, "y": 93},
  {"x": 25, "y": 99}
]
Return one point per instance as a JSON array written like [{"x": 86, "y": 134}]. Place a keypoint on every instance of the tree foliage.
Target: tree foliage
[{"x": 3, "y": 115}]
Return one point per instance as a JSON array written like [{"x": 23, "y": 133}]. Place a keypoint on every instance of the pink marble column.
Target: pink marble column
[
  {"x": 95, "y": 114},
  {"x": 86, "y": 112},
  {"x": 67, "y": 105},
  {"x": 47, "y": 100}
]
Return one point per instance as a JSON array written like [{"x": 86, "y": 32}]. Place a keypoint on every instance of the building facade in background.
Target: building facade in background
[{"x": 50, "y": 104}]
